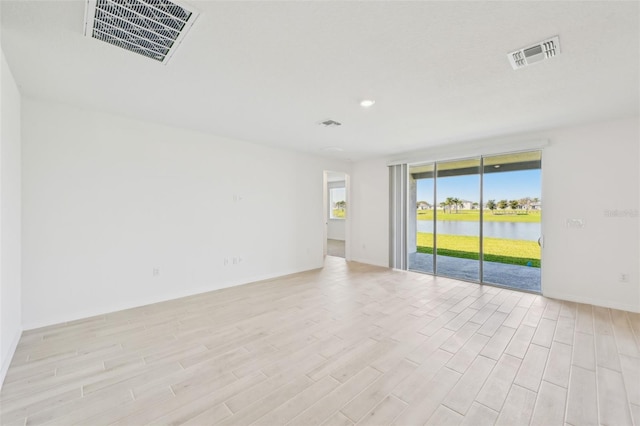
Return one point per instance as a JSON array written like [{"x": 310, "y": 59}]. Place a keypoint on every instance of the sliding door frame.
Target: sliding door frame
[{"x": 481, "y": 158}]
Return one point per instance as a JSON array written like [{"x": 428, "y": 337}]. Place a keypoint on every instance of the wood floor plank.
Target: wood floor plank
[
  {"x": 210, "y": 416},
  {"x": 327, "y": 406},
  {"x": 345, "y": 344},
  {"x": 558, "y": 364},
  {"x": 492, "y": 325},
  {"x": 384, "y": 413},
  {"x": 613, "y": 405},
  {"x": 607, "y": 352},
  {"x": 498, "y": 343},
  {"x": 247, "y": 396},
  {"x": 550, "y": 405},
  {"x": 21, "y": 411},
  {"x": 80, "y": 409},
  {"x": 483, "y": 314},
  {"x": 422, "y": 353},
  {"x": 631, "y": 375},
  {"x": 496, "y": 388},
  {"x": 377, "y": 391},
  {"x": 465, "y": 356},
  {"x": 258, "y": 409},
  {"x": 565, "y": 330},
  {"x": 465, "y": 391},
  {"x": 157, "y": 398},
  {"x": 544, "y": 333},
  {"x": 515, "y": 317},
  {"x": 423, "y": 374},
  {"x": 530, "y": 374},
  {"x": 479, "y": 415},
  {"x": 584, "y": 320},
  {"x": 356, "y": 364},
  {"x": 338, "y": 419},
  {"x": 300, "y": 402},
  {"x": 444, "y": 416},
  {"x": 520, "y": 342},
  {"x": 460, "y": 337},
  {"x": 517, "y": 408},
  {"x": 635, "y": 413},
  {"x": 582, "y": 404},
  {"x": 584, "y": 352},
  {"x": 426, "y": 400},
  {"x": 625, "y": 338}
]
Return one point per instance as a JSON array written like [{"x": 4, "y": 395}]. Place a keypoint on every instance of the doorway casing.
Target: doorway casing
[{"x": 333, "y": 176}]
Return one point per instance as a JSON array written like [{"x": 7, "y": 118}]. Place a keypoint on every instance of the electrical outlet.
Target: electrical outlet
[
  {"x": 623, "y": 278},
  {"x": 575, "y": 223},
  {"x": 226, "y": 261},
  {"x": 156, "y": 272}
]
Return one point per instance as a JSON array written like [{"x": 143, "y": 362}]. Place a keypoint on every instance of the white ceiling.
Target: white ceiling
[{"x": 267, "y": 72}]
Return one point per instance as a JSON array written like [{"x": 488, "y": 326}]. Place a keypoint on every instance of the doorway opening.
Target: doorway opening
[{"x": 336, "y": 194}]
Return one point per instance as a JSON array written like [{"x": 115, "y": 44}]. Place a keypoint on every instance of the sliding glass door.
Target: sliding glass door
[
  {"x": 477, "y": 219},
  {"x": 420, "y": 225},
  {"x": 457, "y": 224},
  {"x": 512, "y": 223}
]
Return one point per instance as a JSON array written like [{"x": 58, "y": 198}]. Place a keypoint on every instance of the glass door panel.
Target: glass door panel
[
  {"x": 512, "y": 220},
  {"x": 457, "y": 225},
  {"x": 421, "y": 218}
]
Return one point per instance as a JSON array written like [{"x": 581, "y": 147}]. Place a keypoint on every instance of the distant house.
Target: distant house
[
  {"x": 535, "y": 206},
  {"x": 423, "y": 205},
  {"x": 466, "y": 204}
]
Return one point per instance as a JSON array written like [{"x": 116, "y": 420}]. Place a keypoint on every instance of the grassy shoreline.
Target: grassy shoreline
[
  {"x": 533, "y": 216},
  {"x": 520, "y": 261},
  {"x": 515, "y": 252}
]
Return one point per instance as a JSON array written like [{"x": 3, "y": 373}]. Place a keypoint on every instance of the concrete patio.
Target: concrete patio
[{"x": 512, "y": 276}]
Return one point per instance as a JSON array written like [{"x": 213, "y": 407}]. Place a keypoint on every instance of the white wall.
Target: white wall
[
  {"x": 108, "y": 199},
  {"x": 586, "y": 170},
  {"x": 370, "y": 212},
  {"x": 10, "y": 303}
]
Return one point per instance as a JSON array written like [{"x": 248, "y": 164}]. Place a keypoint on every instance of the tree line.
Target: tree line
[
  {"x": 451, "y": 204},
  {"x": 521, "y": 204}
]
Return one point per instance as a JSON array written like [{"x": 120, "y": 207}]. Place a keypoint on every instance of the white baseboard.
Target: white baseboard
[
  {"x": 591, "y": 301},
  {"x": 368, "y": 261},
  {"x": 11, "y": 353},
  {"x": 79, "y": 315}
]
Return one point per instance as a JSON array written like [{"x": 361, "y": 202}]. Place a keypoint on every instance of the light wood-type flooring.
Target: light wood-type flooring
[{"x": 348, "y": 344}]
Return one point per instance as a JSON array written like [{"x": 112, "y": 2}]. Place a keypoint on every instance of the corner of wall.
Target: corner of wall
[
  {"x": 10, "y": 217},
  {"x": 10, "y": 353}
]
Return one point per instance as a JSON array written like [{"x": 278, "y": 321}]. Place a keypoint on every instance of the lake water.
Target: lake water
[{"x": 510, "y": 230}]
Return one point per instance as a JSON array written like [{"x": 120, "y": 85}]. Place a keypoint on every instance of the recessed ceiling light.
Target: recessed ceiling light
[
  {"x": 497, "y": 166},
  {"x": 367, "y": 103}
]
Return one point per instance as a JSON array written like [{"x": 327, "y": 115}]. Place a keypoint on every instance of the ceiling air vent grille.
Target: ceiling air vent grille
[
  {"x": 330, "y": 123},
  {"x": 531, "y": 54},
  {"x": 152, "y": 28}
]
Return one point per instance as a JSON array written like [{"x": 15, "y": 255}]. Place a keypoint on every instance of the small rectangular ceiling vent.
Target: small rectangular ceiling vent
[
  {"x": 152, "y": 28},
  {"x": 330, "y": 123},
  {"x": 531, "y": 54}
]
